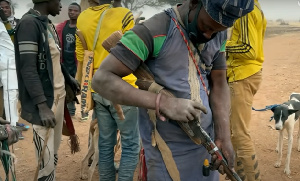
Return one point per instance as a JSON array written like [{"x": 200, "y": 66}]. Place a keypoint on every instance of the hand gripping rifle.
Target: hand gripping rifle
[{"x": 192, "y": 128}]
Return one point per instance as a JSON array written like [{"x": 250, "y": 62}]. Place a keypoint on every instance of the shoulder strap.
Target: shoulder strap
[
  {"x": 98, "y": 28},
  {"x": 81, "y": 38}
]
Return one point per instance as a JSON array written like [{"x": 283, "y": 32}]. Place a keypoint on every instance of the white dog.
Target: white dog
[{"x": 286, "y": 115}]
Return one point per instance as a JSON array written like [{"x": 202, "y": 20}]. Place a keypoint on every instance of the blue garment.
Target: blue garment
[
  {"x": 72, "y": 108},
  {"x": 108, "y": 122},
  {"x": 170, "y": 70}
]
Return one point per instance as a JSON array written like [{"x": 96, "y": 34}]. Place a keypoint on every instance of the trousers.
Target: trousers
[
  {"x": 49, "y": 161},
  {"x": 109, "y": 123},
  {"x": 242, "y": 93}
]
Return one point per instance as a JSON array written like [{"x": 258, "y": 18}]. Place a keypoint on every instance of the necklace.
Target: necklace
[{"x": 191, "y": 54}]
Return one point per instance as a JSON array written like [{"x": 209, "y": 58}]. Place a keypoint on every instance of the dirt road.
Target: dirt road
[{"x": 280, "y": 78}]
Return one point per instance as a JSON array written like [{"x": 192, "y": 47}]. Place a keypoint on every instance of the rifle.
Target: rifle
[
  {"x": 212, "y": 148},
  {"x": 192, "y": 128}
]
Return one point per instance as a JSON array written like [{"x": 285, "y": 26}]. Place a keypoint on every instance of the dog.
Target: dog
[
  {"x": 285, "y": 116},
  {"x": 94, "y": 151}
]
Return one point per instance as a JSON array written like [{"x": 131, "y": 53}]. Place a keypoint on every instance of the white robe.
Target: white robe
[{"x": 8, "y": 76}]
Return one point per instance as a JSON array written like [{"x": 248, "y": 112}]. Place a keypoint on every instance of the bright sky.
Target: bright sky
[{"x": 273, "y": 9}]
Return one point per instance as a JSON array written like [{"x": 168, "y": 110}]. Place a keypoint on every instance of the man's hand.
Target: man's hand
[
  {"x": 180, "y": 109},
  {"x": 46, "y": 115},
  {"x": 13, "y": 134},
  {"x": 76, "y": 85},
  {"x": 226, "y": 148}
]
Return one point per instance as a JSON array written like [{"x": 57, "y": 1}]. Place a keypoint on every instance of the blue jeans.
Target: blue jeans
[
  {"x": 109, "y": 122},
  {"x": 71, "y": 108}
]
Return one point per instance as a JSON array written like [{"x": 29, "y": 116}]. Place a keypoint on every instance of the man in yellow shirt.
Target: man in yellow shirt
[
  {"x": 245, "y": 59},
  {"x": 115, "y": 18}
]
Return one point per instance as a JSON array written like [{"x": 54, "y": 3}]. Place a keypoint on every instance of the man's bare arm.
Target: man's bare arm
[
  {"x": 108, "y": 83},
  {"x": 220, "y": 105}
]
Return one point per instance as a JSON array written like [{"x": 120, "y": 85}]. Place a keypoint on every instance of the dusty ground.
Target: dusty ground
[{"x": 280, "y": 78}]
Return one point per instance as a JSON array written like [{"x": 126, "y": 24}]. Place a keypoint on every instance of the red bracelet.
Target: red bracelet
[{"x": 157, "y": 103}]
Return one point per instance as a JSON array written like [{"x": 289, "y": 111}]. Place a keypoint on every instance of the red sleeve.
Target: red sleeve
[{"x": 59, "y": 29}]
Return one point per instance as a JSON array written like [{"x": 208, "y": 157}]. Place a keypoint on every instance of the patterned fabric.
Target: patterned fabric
[{"x": 49, "y": 161}]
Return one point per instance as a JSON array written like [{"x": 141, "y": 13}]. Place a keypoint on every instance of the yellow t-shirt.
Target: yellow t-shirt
[
  {"x": 245, "y": 47},
  {"x": 115, "y": 19}
]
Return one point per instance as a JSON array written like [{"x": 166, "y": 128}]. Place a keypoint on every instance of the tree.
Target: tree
[
  {"x": 135, "y": 5},
  {"x": 171, "y": 2}
]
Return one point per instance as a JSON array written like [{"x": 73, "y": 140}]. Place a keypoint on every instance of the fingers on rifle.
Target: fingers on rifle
[
  {"x": 214, "y": 158},
  {"x": 194, "y": 113},
  {"x": 200, "y": 106},
  {"x": 189, "y": 116},
  {"x": 216, "y": 163},
  {"x": 221, "y": 170}
]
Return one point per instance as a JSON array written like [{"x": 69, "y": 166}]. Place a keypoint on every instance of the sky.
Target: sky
[{"x": 273, "y": 9}]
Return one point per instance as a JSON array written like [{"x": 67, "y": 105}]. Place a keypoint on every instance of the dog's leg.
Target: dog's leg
[
  {"x": 96, "y": 154},
  {"x": 280, "y": 142},
  {"x": 84, "y": 163},
  {"x": 289, "y": 151},
  {"x": 277, "y": 145},
  {"x": 298, "y": 136}
]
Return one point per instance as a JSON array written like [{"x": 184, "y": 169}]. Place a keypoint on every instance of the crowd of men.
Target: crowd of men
[{"x": 188, "y": 52}]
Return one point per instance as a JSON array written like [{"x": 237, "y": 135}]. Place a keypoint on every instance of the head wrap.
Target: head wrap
[{"x": 225, "y": 12}]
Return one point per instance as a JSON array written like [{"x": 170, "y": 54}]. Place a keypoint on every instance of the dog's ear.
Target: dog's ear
[
  {"x": 273, "y": 109},
  {"x": 292, "y": 111}
]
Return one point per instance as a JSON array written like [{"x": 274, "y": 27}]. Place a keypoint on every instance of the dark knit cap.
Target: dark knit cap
[{"x": 225, "y": 12}]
